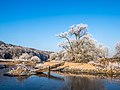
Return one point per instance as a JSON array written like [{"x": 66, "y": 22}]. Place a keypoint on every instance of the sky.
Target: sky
[{"x": 34, "y": 23}]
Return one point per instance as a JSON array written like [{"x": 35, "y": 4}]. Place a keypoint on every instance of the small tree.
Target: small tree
[
  {"x": 35, "y": 59},
  {"x": 117, "y": 50}
]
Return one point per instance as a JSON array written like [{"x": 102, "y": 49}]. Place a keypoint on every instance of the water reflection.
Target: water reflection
[
  {"x": 83, "y": 83},
  {"x": 22, "y": 78},
  {"x": 58, "y": 77},
  {"x": 59, "y": 81}
]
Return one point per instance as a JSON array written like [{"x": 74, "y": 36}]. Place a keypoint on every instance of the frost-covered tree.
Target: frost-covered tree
[
  {"x": 72, "y": 45},
  {"x": 117, "y": 50},
  {"x": 28, "y": 57},
  {"x": 80, "y": 46},
  {"x": 35, "y": 59},
  {"x": 53, "y": 56},
  {"x": 25, "y": 56}
]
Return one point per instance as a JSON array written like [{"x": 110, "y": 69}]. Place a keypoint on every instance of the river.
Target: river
[{"x": 58, "y": 81}]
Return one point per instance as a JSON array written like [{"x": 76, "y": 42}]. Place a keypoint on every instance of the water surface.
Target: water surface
[{"x": 58, "y": 82}]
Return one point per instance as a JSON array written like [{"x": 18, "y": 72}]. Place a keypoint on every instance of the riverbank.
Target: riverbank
[
  {"x": 62, "y": 66},
  {"x": 88, "y": 68},
  {"x": 12, "y": 62}
]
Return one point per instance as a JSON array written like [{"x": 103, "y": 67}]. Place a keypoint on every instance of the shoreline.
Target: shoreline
[{"x": 67, "y": 67}]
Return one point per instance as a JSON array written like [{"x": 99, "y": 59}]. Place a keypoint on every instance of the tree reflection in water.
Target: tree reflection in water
[
  {"x": 83, "y": 83},
  {"x": 22, "y": 78}
]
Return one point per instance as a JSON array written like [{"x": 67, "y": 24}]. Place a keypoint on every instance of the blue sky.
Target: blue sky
[{"x": 34, "y": 23}]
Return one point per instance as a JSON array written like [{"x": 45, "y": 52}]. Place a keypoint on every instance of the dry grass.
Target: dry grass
[
  {"x": 10, "y": 63},
  {"x": 50, "y": 63},
  {"x": 74, "y": 67},
  {"x": 83, "y": 66},
  {"x": 13, "y": 63}
]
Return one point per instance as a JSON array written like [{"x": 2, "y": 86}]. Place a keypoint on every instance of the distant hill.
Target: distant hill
[{"x": 9, "y": 51}]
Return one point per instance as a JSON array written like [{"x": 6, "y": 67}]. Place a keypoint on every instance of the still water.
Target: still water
[{"x": 58, "y": 82}]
